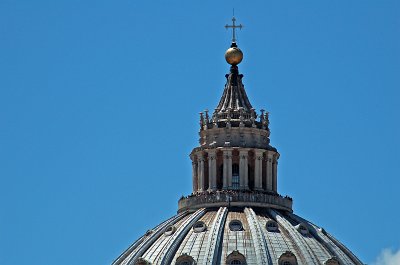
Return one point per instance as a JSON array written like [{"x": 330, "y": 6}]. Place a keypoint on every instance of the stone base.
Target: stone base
[{"x": 235, "y": 198}]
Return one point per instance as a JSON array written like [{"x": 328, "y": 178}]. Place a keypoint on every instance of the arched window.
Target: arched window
[
  {"x": 235, "y": 225},
  {"x": 199, "y": 226},
  {"x": 302, "y": 228},
  {"x": 235, "y": 177},
  {"x": 332, "y": 261},
  {"x": 271, "y": 226},
  {"x": 185, "y": 259},
  {"x": 287, "y": 258},
  {"x": 235, "y": 258},
  {"x": 169, "y": 230}
]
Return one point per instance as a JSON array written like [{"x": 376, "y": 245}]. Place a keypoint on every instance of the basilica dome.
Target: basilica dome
[
  {"x": 235, "y": 214},
  {"x": 237, "y": 235}
]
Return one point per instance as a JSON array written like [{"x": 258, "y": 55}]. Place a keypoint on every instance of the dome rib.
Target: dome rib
[
  {"x": 259, "y": 241},
  {"x": 215, "y": 237},
  {"x": 141, "y": 245},
  {"x": 172, "y": 246},
  {"x": 195, "y": 239},
  {"x": 336, "y": 248},
  {"x": 344, "y": 249},
  {"x": 333, "y": 250},
  {"x": 303, "y": 249}
]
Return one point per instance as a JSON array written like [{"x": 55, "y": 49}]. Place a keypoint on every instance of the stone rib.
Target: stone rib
[
  {"x": 215, "y": 237},
  {"x": 259, "y": 241},
  {"x": 172, "y": 246}
]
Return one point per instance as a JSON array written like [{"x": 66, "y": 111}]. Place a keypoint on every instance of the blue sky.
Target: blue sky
[{"x": 99, "y": 105}]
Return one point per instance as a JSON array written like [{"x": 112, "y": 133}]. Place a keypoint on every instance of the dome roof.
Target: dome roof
[
  {"x": 235, "y": 214},
  {"x": 230, "y": 235}
]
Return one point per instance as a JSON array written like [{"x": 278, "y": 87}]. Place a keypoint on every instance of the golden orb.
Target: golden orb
[{"x": 233, "y": 55}]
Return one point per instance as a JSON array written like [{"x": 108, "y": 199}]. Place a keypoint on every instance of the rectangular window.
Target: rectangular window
[{"x": 235, "y": 182}]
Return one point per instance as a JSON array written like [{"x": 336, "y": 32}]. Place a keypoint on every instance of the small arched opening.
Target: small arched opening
[
  {"x": 302, "y": 228},
  {"x": 235, "y": 258},
  {"x": 272, "y": 226},
  {"x": 332, "y": 261},
  {"x": 185, "y": 259},
  {"x": 287, "y": 258},
  {"x": 199, "y": 226}
]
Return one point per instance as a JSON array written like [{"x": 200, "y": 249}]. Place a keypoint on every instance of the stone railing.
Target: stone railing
[
  {"x": 235, "y": 118},
  {"x": 234, "y": 198}
]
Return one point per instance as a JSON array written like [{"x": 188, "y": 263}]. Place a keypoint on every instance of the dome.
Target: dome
[
  {"x": 235, "y": 214},
  {"x": 237, "y": 235}
]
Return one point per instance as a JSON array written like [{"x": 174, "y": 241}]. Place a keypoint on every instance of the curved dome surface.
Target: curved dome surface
[{"x": 229, "y": 235}]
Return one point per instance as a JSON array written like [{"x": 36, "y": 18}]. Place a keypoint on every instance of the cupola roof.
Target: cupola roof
[{"x": 234, "y": 97}]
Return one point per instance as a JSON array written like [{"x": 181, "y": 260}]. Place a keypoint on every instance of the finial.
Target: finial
[
  {"x": 233, "y": 55},
  {"x": 234, "y": 27},
  {"x": 201, "y": 120},
  {"x": 253, "y": 117},
  {"x": 207, "y": 119}
]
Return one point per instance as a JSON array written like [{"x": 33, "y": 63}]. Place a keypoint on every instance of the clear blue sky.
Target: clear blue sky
[{"x": 99, "y": 105}]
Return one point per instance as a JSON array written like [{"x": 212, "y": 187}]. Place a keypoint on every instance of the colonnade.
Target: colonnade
[{"x": 257, "y": 169}]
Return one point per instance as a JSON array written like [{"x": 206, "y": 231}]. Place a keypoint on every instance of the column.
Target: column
[
  {"x": 227, "y": 177},
  {"x": 275, "y": 172},
  {"x": 194, "y": 173},
  {"x": 200, "y": 172},
  {"x": 270, "y": 157},
  {"x": 212, "y": 170},
  {"x": 258, "y": 169},
  {"x": 243, "y": 169}
]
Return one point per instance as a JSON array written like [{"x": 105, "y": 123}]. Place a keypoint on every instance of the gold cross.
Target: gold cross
[{"x": 234, "y": 27}]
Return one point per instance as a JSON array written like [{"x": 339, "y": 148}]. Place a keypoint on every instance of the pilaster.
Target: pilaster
[
  {"x": 258, "y": 169},
  {"x": 243, "y": 168},
  {"x": 212, "y": 169},
  {"x": 275, "y": 173},
  {"x": 227, "y": 171},
  {"x": 269, "y": 158},
  {"x": 200, "y": 172},
  {"x": 194, "y": 173}
]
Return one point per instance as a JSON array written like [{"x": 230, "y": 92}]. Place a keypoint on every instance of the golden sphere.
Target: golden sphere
[{"x": 233, "y": 56}]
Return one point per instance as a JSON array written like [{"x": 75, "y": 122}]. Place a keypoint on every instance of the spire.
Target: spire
[{"x": 234, "y": 103}]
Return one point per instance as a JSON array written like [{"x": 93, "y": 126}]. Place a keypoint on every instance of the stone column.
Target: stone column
[
  {"x": 227, "y": 177},
  {"x": 194, "y": 173},
  {"x": 200, "y": 172},
  {"x": 275, "y": 173},
  {"x": 243, "y": 169},
  {"x": 258, "y": 169},
  {"x": 212, "y": 170},
  {"x": 270, "y": 157}
]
